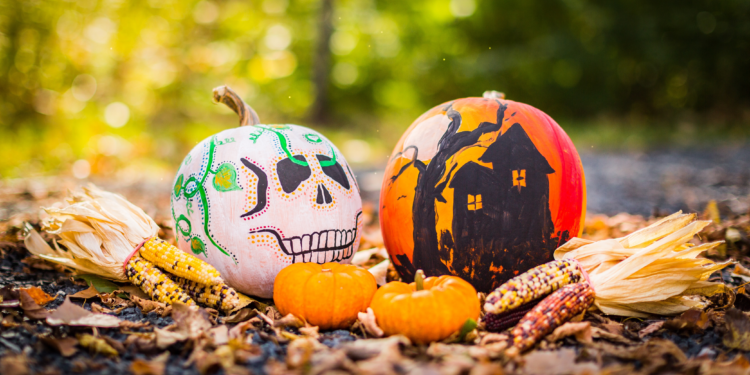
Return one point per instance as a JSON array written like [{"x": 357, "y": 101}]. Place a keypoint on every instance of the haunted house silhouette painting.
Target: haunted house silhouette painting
[{"x": 501, "y": 223}]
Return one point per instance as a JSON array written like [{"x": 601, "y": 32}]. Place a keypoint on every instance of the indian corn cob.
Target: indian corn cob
[
  {"x": 179, "y": 263},
  {"x": 556, "y": 309},
  {"x": 219, "y": 296},
  {"x": 533, "y": 285},
  {"x": 154, "y": 282}
]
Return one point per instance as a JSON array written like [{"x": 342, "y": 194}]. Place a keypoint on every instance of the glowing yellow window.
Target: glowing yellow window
[
  {"x": 475, "y": 202},
  {"x": 519, "y": 178}
]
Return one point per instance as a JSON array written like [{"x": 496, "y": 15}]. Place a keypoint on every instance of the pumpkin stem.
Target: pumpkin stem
[
  {"x": 419, "y": 279},
  {"x": 225, "y": 95},
  {"x": 492, "y": 94}
]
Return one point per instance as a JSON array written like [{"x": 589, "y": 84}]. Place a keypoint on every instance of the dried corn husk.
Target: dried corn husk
[
  {"x": 651, "y": 271},
  {"x": 99, "y": 230}
]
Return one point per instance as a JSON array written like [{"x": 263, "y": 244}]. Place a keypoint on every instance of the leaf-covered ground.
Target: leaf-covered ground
[{"x": 117, "y": 330}]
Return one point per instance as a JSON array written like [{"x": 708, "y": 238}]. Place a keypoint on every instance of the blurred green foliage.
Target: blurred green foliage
[{"x": 113, "y": 86}]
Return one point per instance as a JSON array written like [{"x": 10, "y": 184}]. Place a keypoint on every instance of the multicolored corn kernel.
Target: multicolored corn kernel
[
  {"x": 179, "y": 263},
  {"x": 559, "y": 307},
  {"x": 532, "y": 285},
  {"x": 219, "y": 296},
  {"x": 155, "y": 282},
  {"x": 507, "y": 319}
]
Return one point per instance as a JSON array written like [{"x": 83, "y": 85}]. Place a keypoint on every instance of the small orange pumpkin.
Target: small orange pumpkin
[
  {"x": 328, "y": 296},
  {"x": 426, "y": 310}
]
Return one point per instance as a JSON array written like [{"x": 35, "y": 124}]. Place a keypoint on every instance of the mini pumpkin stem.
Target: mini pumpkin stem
[
  {"x": 419, "y": 279},
  {"x": 492, "y": 94},
  {"x": 248, "y": 116}
]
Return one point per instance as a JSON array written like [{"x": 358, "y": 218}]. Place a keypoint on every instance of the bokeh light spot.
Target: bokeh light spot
[{"x": 117, "y": 114}]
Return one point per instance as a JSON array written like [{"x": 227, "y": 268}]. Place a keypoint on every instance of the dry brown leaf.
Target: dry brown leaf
[
  {"x": 691, "y": 320},
  {"x": 289, "y": 321},
  {"x": 310, "y": 331},
  {"x": 97, "y": 308},
  {"x": 40, "y": 297},
  {"x": 91, "y": 292},
  {"x": 364, "y": 349},
  {"x": 241, "y": 315},
  {"x": 614, "y": 328},
  {"x": 65, "y": 346},
  {"x": 191, "y": 323},
  {"x": 165, "y": 338},
  {"x": 219, "y": 335},
  {"x": 582, "y": 332},
  {"x": 556, "y": 362},
  {"x": 30, "y": 307},
  {"x": 738, "y": 330},
  {"x": 14, "y": 364},
  {"x": 155, "y": 366},
  {"x": 73, "y": 315},
  {"x": 9, "y": 297},
  {"x": 299, "y": 352},
  {"x": 147, "y": 306},
  {"x": 651, "y": 328},
  {"x": 369, "y": 321},
  {"x": 127, "y": 324}
]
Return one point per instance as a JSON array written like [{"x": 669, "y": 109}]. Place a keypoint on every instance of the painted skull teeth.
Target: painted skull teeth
[{"x": 319, "y": 247}]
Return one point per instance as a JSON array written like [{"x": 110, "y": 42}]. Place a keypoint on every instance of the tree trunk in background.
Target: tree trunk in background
[{"x": 321, "y": 65}]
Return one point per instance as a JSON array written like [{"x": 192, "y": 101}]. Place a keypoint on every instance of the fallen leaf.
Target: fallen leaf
[
  {"x": 614, "y": 327},
  {"x": 73, "y": 315},
  {"x": 40, "y": 297},
  {"x": 127, "y": 324},
  {"x": 692, "y": 320},
  {"x": 147, "y": 306},
  {"x": 165, "y": 338},
  {"x": 299, "y": 352},
  {"x": 289, "y": 321},
  {"x": 97, "y": 308},
  {"x": 556, "y": 362},
  {"x": 65, "y": 346},
  {"x": 14, "y": 364},
  {"x": 219, "y": 335},
  {"x": 582, "y": 332},
  {"x": 241, "y": 315},
  {"x": 91, "y": 292},
  {"x": 738, "y": 330},
  {"x": 9, "y": 297},
  {"x": 651, "y": 328},
  {"x": 369, "y": 321},
  {"x": 366, "y": 349},
  {"x": 310, "y": 331},
  {"x": 30, "y": 307},
  {"x": 190, "y": 319},
  {"x": 97, "y": 345},
  {"x": 191, "y": 322},
  {"x": 155, "y": 366}
]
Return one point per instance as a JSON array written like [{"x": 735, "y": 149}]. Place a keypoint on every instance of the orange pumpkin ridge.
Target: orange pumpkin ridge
[
  {"x": 428, "y": 315},
  {"x": 328, "y": 296}
]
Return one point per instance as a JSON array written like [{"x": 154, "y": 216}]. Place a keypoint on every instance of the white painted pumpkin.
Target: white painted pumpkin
[{"x": 255, "y": 199}]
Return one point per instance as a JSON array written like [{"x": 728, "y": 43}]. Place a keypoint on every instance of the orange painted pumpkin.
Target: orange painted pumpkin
[
  {"x": 328, "y": 296},
  {"x": 481, "y": 188},
  {"x": 430, "y": 312}
]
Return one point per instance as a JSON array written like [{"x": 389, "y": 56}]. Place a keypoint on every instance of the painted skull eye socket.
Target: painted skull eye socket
[
  {"x": 334, "y": 171},
  {"x": 292, "y": 171}
]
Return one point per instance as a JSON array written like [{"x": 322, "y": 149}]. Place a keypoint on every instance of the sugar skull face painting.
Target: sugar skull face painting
[
  {"x": 481, "y": 188},
  {"x": 255, "y": 199}
]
